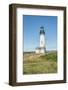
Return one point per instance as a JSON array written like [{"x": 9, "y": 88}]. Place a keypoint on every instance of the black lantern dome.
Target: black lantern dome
[{"x": 42, "y": 30}]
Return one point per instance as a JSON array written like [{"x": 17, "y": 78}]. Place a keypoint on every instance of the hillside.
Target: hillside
[{"x": 40, "y": 63}]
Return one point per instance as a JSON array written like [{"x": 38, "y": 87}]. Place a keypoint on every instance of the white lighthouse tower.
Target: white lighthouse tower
[
  {"x": 41, "y": 48},
  {"x": 42, "y": 40}
]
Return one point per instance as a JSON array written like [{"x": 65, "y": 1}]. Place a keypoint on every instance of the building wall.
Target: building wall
[
  {"x": 37, "y": 51},
  {"x": 41, "y": 50}
]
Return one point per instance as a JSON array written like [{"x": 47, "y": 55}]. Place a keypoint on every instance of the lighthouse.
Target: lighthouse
[
  {"x": 41, "y": 48},
  {"x": 42, "y": 37}
]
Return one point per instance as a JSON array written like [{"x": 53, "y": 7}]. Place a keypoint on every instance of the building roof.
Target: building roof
[{"x": 40, "y": 48}]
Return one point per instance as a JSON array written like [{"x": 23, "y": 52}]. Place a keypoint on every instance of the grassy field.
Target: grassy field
[{"x": 40, "y": 63}]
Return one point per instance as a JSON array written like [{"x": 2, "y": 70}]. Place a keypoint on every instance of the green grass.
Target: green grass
[{"x": 40, "y": 63}]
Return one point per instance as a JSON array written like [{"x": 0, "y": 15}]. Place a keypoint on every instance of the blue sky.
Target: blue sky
[{"x": 31, "y": 28}]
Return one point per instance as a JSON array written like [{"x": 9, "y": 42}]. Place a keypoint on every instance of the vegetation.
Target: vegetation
[{"x": 40, "y": 63}]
